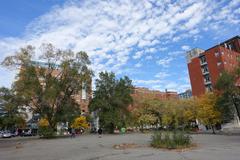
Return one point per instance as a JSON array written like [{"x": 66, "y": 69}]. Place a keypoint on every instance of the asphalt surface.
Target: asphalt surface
[{"x": 90, "y": 147}]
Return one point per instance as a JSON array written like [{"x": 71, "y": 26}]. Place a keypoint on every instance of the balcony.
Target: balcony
[
  {"x": 205, "y": 72},
  {"x": 202, "y": 63},
  {"x": 207, "y": 82}
]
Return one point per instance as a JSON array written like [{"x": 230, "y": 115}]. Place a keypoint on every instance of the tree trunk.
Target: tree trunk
[
  {"x": 236, "y": 106},
  {"x": 141, "y": 127}
]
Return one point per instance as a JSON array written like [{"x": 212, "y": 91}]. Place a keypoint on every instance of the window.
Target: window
[
  {"x": 217, "y": 54},
  {"x": 207, "y": 78},
  {"x": 209, "y": 88},
  {"x": 203, "y": 59},
  {"x": 219, "y": 63},
  {"x": 205, "y": 69}
]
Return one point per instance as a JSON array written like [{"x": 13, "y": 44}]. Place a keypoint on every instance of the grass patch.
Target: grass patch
[{"x": 171, "y": 140}]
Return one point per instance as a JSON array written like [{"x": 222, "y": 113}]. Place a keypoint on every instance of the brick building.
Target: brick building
[
  {"x": 205, "y": 66},
  {"x": 140, "y": 93},
  {"x": 185, "y": 95}
]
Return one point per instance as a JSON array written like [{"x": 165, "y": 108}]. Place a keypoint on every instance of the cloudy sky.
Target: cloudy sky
[{"x": 143, "y": 39}]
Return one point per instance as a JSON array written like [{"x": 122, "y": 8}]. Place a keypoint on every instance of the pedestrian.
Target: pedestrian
[
  {"x": 100, "y": 132},
  {"x": 73, "y": 133}
]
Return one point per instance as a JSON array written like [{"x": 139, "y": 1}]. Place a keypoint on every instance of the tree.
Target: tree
[
  {"x": 12, "y": 114},
  {"x": 111, "y": 100},
  {"x": 170, "y": 113},
  {"x": 207, "y": 111},
  {"x": 49, "y": 86},
  {"x": 142, "y": 116},
  {"x": 80, "y": 122},
  {"x": 229, "y": 99}
]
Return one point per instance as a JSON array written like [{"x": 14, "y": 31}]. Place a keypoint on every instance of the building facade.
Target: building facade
[
  {"x": 140, "y": 93},
  {"x": 205, "y": 66},
  {"x": 185, "y": 95}
]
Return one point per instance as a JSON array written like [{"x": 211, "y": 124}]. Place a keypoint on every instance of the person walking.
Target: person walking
[
  {"x": 100, "y": 132},
  {"x": 73, "y": 133}
]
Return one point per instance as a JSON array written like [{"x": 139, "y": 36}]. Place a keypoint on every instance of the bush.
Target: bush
[
  {"x": 170, "y": 140},
  {"x": 46, "y": 132}
]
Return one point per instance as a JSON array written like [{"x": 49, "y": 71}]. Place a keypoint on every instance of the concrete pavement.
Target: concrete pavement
[{"x": 90, "y": 147}]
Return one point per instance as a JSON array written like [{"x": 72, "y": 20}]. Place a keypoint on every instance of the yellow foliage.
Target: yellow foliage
[
  {"x": 80, "y": 122},
  {"x": 207, "y": 112},
  {"x": 147, "y": 119},
  {"x": 43, "y": 122}
]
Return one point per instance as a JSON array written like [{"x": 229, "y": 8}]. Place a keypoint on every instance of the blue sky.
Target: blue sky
[{"x": 143, "y": 39}]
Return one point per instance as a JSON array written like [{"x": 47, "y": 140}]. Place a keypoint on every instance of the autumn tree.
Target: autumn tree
[
  {"x": 111, "y": 100},
  {"x": 80, "y": 122},
  {"x": 207, "y": 111},
  {"x": 142, "y": 116},
  {"x": 49, "y": 85}
]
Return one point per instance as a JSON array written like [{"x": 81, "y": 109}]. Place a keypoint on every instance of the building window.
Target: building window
[
  {"x": 207, "y": 78},
  {"x": 209, "y": 88},
  {"x": 205, "y": 69},
  {"x": 203, "y": 59},
  {"x": 217, "y": 54},
  {"x": 219, "y": 63}
]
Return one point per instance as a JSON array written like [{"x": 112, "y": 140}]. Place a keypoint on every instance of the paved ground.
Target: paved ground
[{"x": 90, "y": 147}]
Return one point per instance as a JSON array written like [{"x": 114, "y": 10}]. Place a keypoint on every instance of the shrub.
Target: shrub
[
  {"x": 46, "y": 132},
  {"x": 44, "y": 129},
  {"x": 170, "y": 140}
]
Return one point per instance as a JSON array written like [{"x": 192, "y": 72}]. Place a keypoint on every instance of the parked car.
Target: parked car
[
  {"x": 14, "y": 134},
  {"x": 6, "y": 134},
  {"x": 26, "y": 132}
]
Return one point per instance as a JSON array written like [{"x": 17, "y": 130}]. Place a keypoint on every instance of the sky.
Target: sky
[{"x": 146, "y": 40}]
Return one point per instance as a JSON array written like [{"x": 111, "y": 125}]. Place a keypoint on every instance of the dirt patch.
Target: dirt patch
[
  {"x": 126, "y": 146},
  {"x": 192, "y": 147}
]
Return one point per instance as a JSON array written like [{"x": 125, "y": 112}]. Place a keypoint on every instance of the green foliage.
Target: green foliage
[
  {"x": 111, "y": 100},
  {"x": 171, "y": 140},
  {"x": 12, "y": 114},
  {"x": 46, "y": 132},
  {"x": 229, "y": 99}
]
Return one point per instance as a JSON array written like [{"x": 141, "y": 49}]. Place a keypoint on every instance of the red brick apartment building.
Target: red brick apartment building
[
  {"x": 206, "y": 66},
  {"x": 140, "y": 93}
]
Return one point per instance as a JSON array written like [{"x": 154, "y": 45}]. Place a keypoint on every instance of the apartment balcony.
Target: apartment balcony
[
  {"x": 203, "y": 63},
  {"x": 205, "y": 72},
  {"x": 207, "y": 82}
]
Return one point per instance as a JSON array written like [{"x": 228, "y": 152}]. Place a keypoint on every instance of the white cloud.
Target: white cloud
[
  {"x": 111, "y": 27},
  {"x": 186, "y": 47},
  {"x": 146, "y": 82},
  {"x": 110, "y": 31},
  {"x": 165, "y": 61},
  {"x": 138, "y": 55},
  {"x": 138, "y": 65},
  {"x": 149, "y": 57},
  {"x": 162, "y": 75}
]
